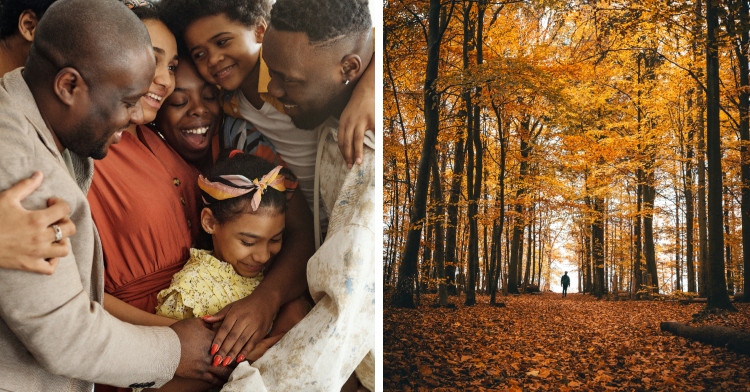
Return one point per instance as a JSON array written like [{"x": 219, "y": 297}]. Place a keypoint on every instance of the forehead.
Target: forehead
[
  {"x": 161, "y": 36},
  {"x": 265, "y": 222},
  {"x": 187, "y": 77},
  {"x": 204, "y": 29},
  {"x": 290, "y": 53}
]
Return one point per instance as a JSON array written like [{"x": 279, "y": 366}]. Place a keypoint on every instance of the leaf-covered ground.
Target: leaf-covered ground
[{"x": 546, "y": 342}]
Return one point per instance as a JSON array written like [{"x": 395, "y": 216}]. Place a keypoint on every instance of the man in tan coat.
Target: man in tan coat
[{"x": 89, "y": 65}]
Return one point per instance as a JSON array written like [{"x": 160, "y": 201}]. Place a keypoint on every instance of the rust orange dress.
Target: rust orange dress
[{"x": 146, "y": 205}]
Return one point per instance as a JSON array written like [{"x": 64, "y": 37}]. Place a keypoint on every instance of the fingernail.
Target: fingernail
[
  {"x": 240, "y": 358},
  {"x": 217, "y": 360},
  {"x": 349, "y": 165},
  {"x": 204, "y": 318},
  {"x": 359, "y": 161},
  {"x": 214, "y": 348},
  {"x": 36, "y": 175},
  {"x": 227, "y": 361}
]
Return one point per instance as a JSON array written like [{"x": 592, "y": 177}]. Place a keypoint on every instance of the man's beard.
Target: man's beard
[
  {"x": 81, "y": 143},
  {"x": 308, "y": 121}
]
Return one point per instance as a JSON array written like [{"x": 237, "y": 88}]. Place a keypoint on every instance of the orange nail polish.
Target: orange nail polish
[
  {"x": 240, "y": 358},
  {"x": 214, "y": 348},
  {"x": 227, "y": 361},
  {"x": 217, "y": 360}
]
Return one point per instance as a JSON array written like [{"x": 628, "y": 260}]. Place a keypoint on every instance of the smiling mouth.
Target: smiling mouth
[
  {"x": 224, "y": 72},
  {"x": 197, "y": 131},
  {"x": 154, "y": 99},
  {"x": 153, "y": 96},
  {"x": 196, "y": 136},
  {"x": 254, "y": 268}
]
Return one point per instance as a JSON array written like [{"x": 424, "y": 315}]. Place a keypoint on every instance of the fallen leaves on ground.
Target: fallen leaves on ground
[{"x": 545, "y": 342}]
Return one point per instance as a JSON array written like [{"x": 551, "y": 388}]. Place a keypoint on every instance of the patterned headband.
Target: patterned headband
[
  {"x": 138, "y": 3},
  {"x": 231, "y": 186}
]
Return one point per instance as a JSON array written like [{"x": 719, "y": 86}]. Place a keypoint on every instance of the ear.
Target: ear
[
  {"x": 70, "y": 86},
  {"x": 27, "y": 23},
  {"x": 351, "y": 67},
  {"x": 260, "y": 31},
  {"x": 208, "y": 221}
]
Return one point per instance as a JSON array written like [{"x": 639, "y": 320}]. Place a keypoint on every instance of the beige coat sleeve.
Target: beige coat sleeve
[{"x": 50, "y": 322}]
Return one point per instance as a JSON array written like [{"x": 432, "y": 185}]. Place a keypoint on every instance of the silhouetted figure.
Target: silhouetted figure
[{"x": 565, "y": 282}]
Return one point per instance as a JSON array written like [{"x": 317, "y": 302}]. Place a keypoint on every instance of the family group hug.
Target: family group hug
[{"x": 188, "y": 195}]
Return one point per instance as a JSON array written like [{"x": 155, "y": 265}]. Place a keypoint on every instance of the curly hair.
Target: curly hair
[
  {"x": 11, "y": 10},
  {"x": 179, "y": 14},
  {"x": 322, "y": 20},
  {"x": 250, "y": 166}
]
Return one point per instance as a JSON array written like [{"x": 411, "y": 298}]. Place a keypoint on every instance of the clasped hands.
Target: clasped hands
[{"x": 213, "y": 345}]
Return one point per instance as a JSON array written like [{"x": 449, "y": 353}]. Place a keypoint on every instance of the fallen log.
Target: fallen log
[
  {"x": 692, "y": 300},
  {"x": 715, "y": 335}
]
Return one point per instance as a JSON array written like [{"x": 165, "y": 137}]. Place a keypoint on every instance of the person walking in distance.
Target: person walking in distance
[{"x": 565, "y": 282}]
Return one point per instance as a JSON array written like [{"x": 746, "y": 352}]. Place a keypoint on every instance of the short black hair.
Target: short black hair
[
  {"x": 11, "y": 10},
  {"x": 322, "y": 20},
  {"x": 89, "y": 35},
  {"x": 251, "y": 167},
  {"x": 179, "y": 14}
]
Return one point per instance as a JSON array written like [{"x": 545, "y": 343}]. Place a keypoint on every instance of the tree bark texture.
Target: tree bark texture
[
  {"x": 717, "y": 295},
  {"x": 404, "y": 296}
]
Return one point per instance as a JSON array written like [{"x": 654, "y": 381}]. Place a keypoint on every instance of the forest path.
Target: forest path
[{"x": 546, "y": 342}]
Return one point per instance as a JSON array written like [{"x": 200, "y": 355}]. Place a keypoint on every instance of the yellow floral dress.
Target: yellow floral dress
[{"x": 204, "y": 286}]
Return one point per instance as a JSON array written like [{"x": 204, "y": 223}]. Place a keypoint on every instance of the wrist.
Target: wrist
[{"x": 270, "y": 295}]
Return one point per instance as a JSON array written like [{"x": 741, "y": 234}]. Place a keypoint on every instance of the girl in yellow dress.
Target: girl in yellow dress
[{"x": 245, "y": 202}]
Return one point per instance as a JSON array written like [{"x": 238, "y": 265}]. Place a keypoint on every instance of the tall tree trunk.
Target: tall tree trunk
[
  {"x": 582, "y": 263},
  {"x": 717, "y": 286},
  {"x": 648, "y": 178},
  {"x": 587, "y": 255},
  {"x": 451, "y": 230},
  {"x": 727, "y": 244},
  {"x": 700, "y": 162},
  {"x": 404, "y": 296},
  {"x": 677, "y": 241},
  {"x": 533, "y": 240},
  {"x": 741, "y": 49},
  {"x": 501, "y": 219},
  {"x": 649, "y": 194},
  {"x": 702, "y": 217},
  {"x": 520, "y": 248},
  {"x": 541, "y": 259},
  {"x": 426, "y": 265},
  {"x": 518, "y": 225},
  {"x": 450, "y": 233},
  {"x": 529, "y": 247},
  {"x": 637, "y": 257},
  {"x": 395, "y": 224},
  {"x": 597, "y": 246},
  {"x": 437, "y": 196},
  {"x": 473, "y": 177},
  {"x": 687, "y": 183}
]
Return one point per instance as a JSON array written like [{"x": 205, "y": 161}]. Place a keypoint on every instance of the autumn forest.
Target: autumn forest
[{"x": 522, "y": 139}]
